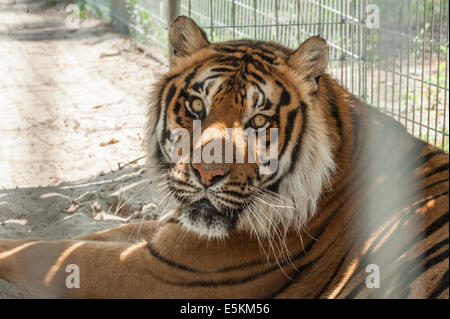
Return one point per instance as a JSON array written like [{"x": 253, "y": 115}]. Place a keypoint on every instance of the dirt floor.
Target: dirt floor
[{"x": 73, "y": 106}]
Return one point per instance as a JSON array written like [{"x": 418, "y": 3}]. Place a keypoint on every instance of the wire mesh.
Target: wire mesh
[{"x": 393, "y": 54}]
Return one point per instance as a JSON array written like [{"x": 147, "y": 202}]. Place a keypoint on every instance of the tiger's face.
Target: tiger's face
[{"x": 244, "y": 112}]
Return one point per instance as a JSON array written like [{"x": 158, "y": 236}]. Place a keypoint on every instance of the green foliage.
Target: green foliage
[{"x": 51, "y": 3}]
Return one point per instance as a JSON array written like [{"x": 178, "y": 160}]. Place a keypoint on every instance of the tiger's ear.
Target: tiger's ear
[
  {"x": 311, "y": 58},
  {"x": 185, "y": 37}
]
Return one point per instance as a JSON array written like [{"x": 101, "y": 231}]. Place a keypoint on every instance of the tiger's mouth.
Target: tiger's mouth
[
  {"x": 203, "y": 218},
  {"x": 205, "y": 208}
]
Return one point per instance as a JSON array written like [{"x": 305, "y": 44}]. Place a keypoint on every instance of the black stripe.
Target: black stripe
[
  {"x": 176, "y": 109},
  {"x": 232, "y": 61},
  {"x": 436, "y": 247},
  {"x": 155, "y": 254},
  {"x": 333, "y": 105},
  {"x": 228, "y": 50},
  {"x": 291, "y": 116},
  {"x": 295, "y": 151},
  {"x": 227, "y": 200},
  {"x": 264, "y": 57},
  {"x": 285, "y": 97},
  {"x": 170, "y": 95},
  {"x": 335, "y": 273},
  {"x": 261, "y": 67},
  {"x": 167, "y": 100},
  {"x": 275, "y": 186},
  {"x": 268, "y": 105},
  {"x": 422, "y": 160},
  {"x": 437, "y": 170},
  {"x": 436, "y": 183},
  {"x": 235, "y": 194},
  {"x": 222, "y": 70},
  {"x": 438, "y": 223},
  {"x": 212, "y": 77},
  {"x": 274, "y": 46},
  {"x": 356, "y": 128},
  {"x": 188, "y": 78},
  {"x": 257, "y": 77},
  {"x": 182, "y": 183},
  {"x": 443, "y": 284},
  {"x": 426, "y": 200},
  {"x": 160, "y": 95}
]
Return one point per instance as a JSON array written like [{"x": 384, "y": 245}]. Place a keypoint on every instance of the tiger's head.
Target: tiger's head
[{"x": 216, "y": 89}]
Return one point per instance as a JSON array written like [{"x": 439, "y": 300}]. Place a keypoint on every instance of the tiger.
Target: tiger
[{"x": 356, "y": 208}]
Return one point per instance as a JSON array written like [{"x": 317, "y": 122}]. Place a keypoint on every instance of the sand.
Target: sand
[{"x": 73, "y": 106}]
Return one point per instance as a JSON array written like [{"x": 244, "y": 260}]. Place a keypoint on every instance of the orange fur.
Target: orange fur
[{"x": 384, "y": 201}]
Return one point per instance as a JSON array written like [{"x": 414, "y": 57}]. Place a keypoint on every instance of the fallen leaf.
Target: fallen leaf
[{"x": 111, "y": 141}]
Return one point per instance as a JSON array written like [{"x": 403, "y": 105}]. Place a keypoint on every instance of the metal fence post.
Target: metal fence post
[{"x": 172, "y": 11}]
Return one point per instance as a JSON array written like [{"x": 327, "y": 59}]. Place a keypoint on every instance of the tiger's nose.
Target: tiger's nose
[{"x": 208, "y": 176}]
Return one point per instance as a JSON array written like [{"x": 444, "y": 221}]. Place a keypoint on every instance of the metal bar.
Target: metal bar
[
  {"x": 372, "y": 63},
  {"x": 445, "y": 93},
  {"x": 277, "y": 35},
  {"x": 342, "y": 41},
  {"x": 154, "y": 17},
  {"x": 408, "y": 63},
  {"x": 415, "y": 66},
  {"x": 352, "y": 31},
  {"x": 393, "y": 16},
  {"x": 438, "y": 72},
  {"x": 211, "y": 19},
  {"x": 233, "y": 13},
  {"x": 320, "y": 18},
  {"x": 379, "y": 73},
  {"x": 423, "y": 64},
  {"x": 401, "y": 66},
  {"x": 254, "y": 17},
  {"x": 430, "y": 72},
  {"x": 267, "y": 25},
  {"x": 298, "y": 23},
  {"x": 172, "y": 11}
]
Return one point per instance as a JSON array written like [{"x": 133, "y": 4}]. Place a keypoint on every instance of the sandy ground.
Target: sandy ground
[{"x": 72, "y": 104}]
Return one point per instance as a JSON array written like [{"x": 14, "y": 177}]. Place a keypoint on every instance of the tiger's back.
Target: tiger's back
[{"x": 383, "y": 229}]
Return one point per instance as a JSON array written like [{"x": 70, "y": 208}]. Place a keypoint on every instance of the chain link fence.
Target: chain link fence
[{"x": 393, "y": 54}]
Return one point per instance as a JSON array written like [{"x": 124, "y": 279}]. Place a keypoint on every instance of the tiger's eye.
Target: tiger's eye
[
  {"x": 259, "y": 121},
  {"x": 197, "y": 105}
]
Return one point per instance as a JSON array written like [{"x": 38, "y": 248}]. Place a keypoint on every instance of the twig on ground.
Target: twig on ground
[
  {"x": 43, "y": 141},
  {"x": 131, "y": 162},
  {"x": 104, "y": 54}
]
